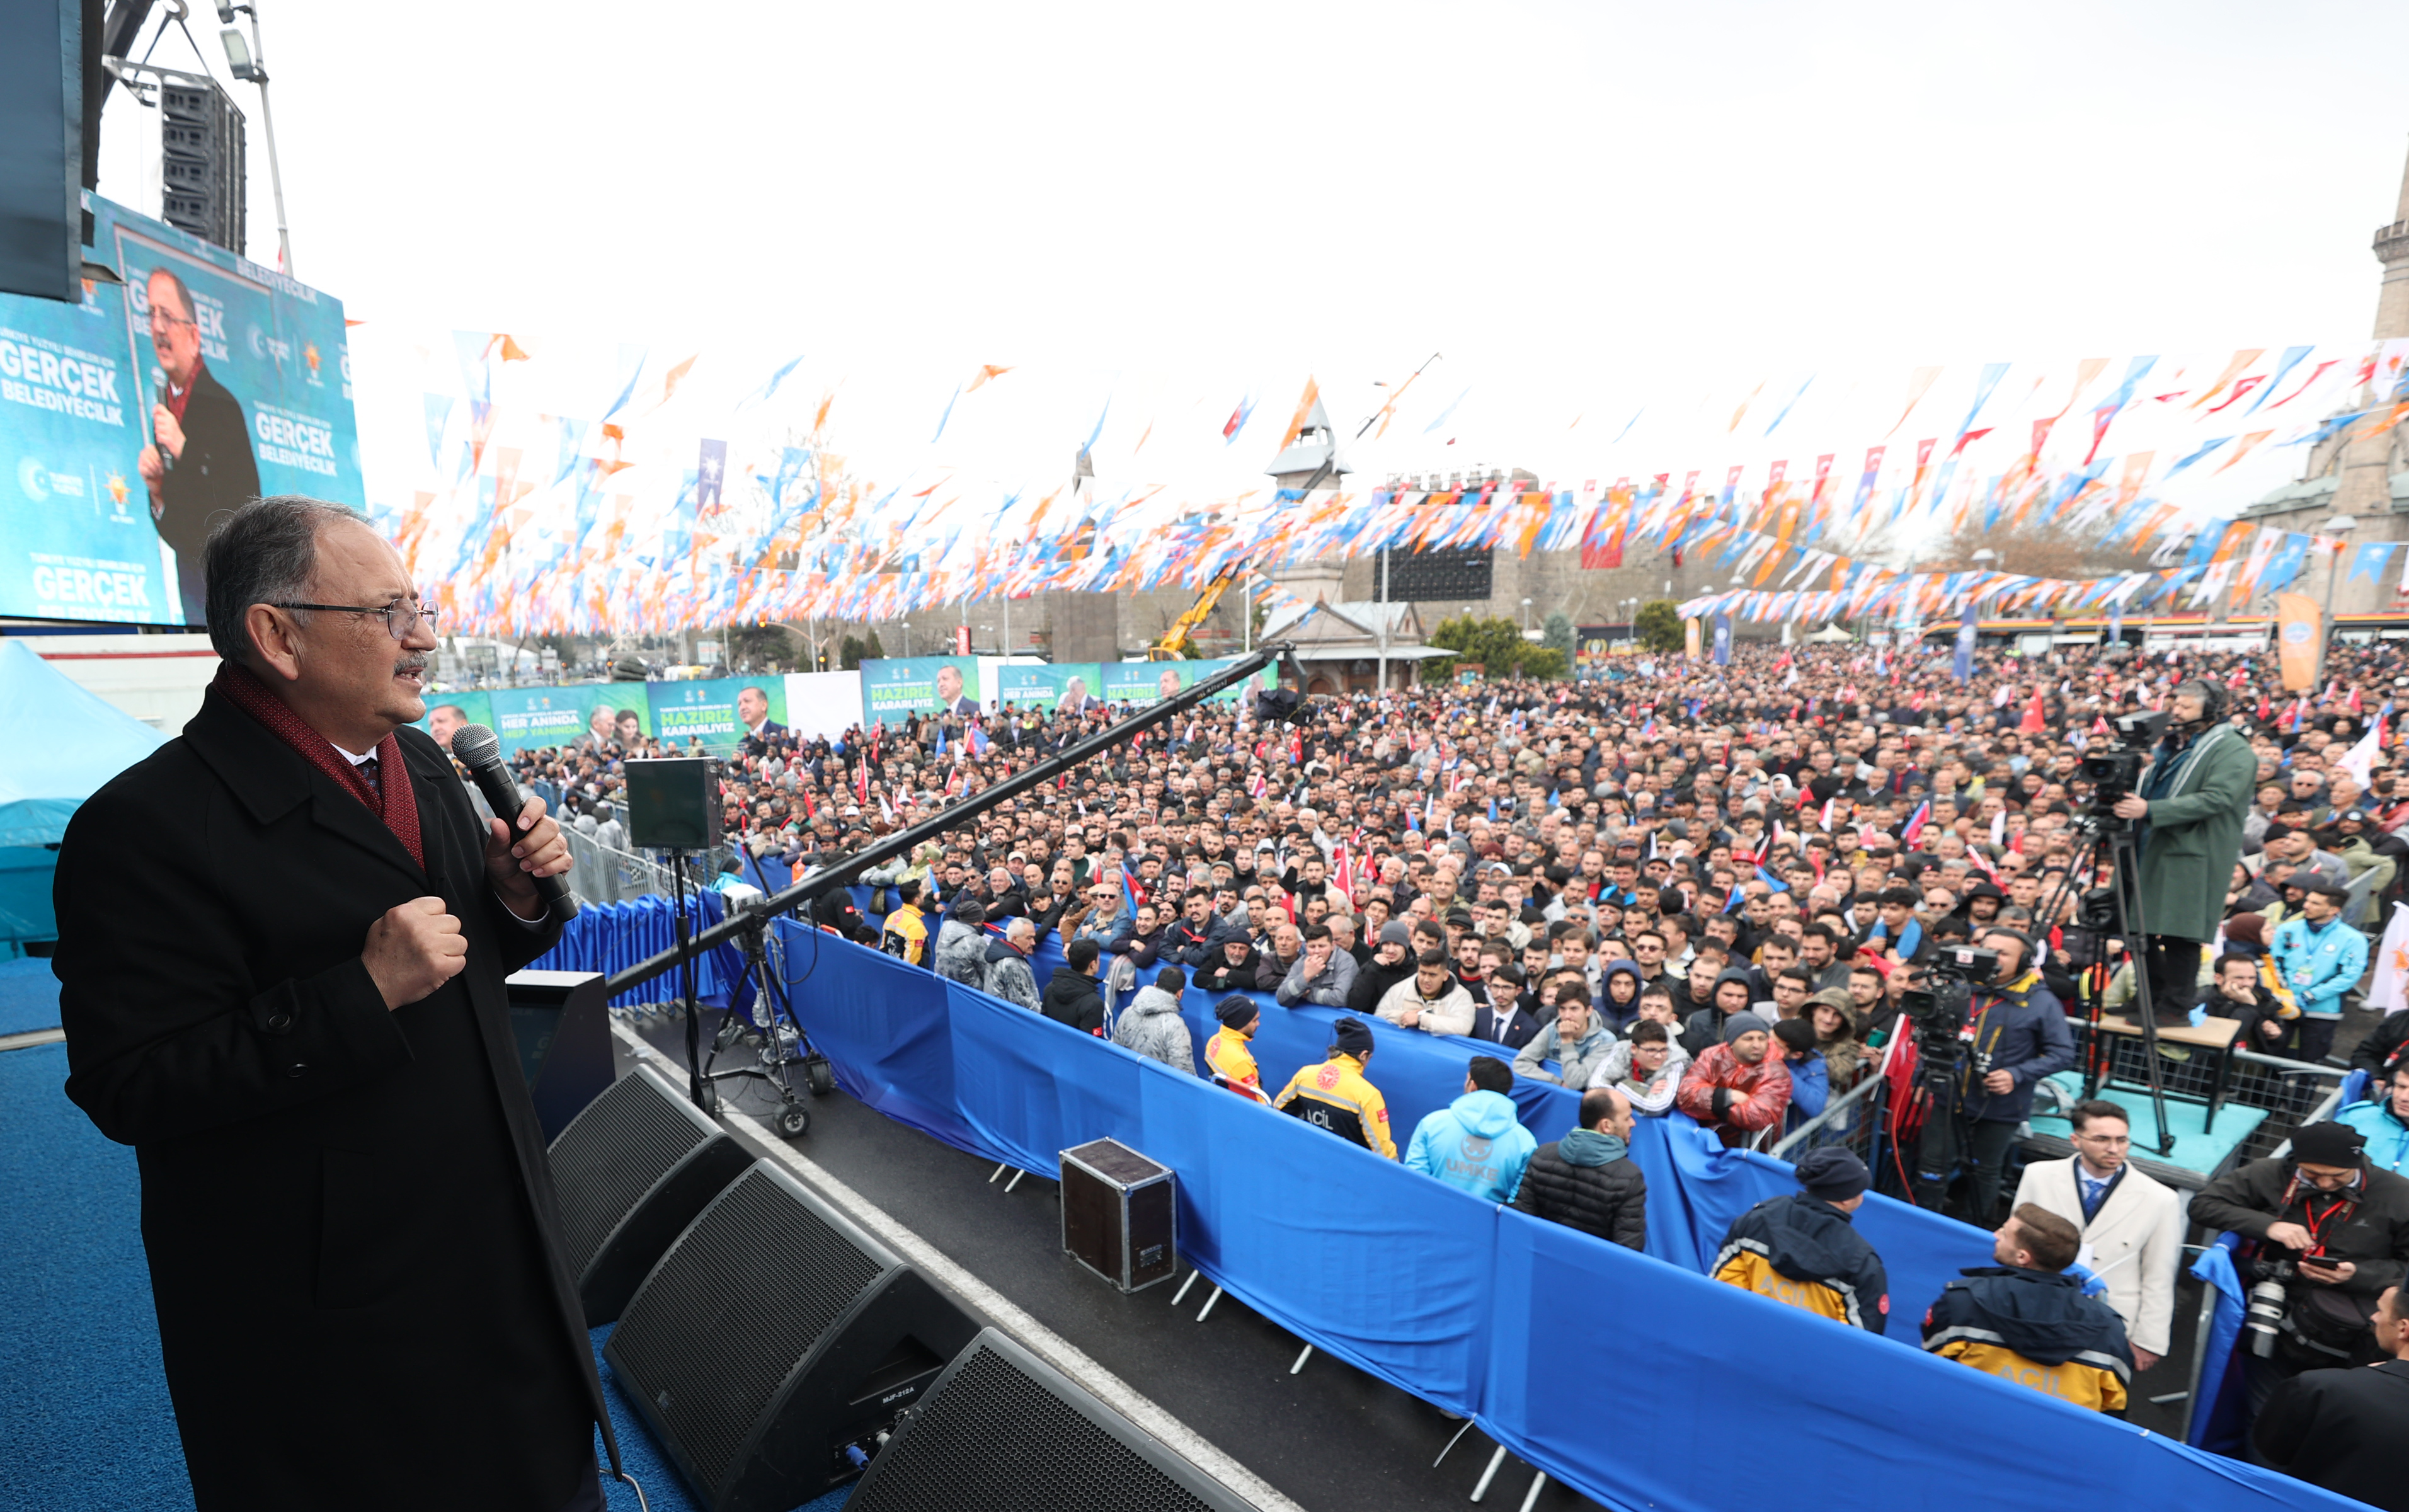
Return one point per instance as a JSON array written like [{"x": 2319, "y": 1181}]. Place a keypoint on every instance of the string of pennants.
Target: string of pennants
[{"x": 670, "y": 510}]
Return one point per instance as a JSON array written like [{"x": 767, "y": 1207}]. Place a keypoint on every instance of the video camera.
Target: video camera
[
  {"x": 2117, "y": 771},
  {"x": 1941, "y": 1010}
]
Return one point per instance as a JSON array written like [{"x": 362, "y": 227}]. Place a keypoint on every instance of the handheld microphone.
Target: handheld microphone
[{"x": 480, "y": 750}]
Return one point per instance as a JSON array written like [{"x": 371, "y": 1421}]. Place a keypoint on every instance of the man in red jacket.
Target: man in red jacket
[{"x": 1739, "y": 1088}]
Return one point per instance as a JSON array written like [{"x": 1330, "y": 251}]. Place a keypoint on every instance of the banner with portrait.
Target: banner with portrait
[
  {"x": 128, "y": 420},
  {"x": 529, "y": 719},
  {"x": 1054, "y": 687},
  {"x": 447, "y": 711},
  {"x": 895, "y": 688},
  {"x": 1138, "y": 683},
  {"x": 720, "y": 712}
]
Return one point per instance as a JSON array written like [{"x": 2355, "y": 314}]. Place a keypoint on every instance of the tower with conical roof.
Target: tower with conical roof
[
  {"x": 2365, "y": 486},
  {"x": 1311, "y": 461}
]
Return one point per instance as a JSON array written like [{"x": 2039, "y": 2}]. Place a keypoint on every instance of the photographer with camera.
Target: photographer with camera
[
  {"x": 2190, "y": 803},
  {"x": 2331, "y": 1234},
  {"x": 2010, "y": 1034}
]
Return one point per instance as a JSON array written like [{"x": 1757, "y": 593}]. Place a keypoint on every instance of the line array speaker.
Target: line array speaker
[
  {"x": 1003, "y": 1432},
  {"x": 777, "y": 1346},
  {"x": 632, "y": 1171}
]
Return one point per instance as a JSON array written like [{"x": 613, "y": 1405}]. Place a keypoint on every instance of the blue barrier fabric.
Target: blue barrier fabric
[
  {"x": 1695, "y": 1187},
  {"x": 1322, "y": 1260},
  {"x": 1647, "y": 1386},
  {"x": 1639, "y": 1382},
  {"x": 610, "y": 937},
  {"x": 2220, "y": 1406}
]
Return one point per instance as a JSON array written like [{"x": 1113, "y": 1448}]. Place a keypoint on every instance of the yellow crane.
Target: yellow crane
[{"x": 1174, "y": 646}]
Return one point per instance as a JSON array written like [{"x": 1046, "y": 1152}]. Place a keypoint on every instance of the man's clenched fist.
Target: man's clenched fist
[{"x": 414, "y": 949}]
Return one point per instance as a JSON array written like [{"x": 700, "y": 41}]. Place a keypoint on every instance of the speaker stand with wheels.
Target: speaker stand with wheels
[{"x": 780, "y": 1041}]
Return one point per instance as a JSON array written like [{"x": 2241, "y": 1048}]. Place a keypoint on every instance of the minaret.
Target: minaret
[{"x": 2365, "y": 484}]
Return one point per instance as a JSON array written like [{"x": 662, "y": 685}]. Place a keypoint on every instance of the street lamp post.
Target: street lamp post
[
  {"x": 2340, "y": 526},
  {"x": 247, "y": 61}
]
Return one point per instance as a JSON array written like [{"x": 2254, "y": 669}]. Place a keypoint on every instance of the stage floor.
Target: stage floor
[{"x": 1330, "y": 1438}]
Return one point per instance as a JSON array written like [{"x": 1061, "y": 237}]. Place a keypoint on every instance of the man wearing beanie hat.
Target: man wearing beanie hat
[
  {"x": 1739, "y": 1088},
  {"x": 1226, "y": 1053},
  {"x": 1392, "y": 962},
  {"x": 1335, "y": 1096},
  {"x": 1804, "y": 1251},
  {"x": 2344, "y": 1225}
]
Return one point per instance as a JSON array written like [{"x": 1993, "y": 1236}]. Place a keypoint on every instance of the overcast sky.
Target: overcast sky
[{"x": 1562, "y": 199}]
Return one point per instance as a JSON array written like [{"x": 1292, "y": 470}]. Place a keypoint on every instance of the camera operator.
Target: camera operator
[
  {"x": 2191, "y": 800},
  {"x": 2014, "y": 1035},
  {"x": 2332, "y": 1233}
]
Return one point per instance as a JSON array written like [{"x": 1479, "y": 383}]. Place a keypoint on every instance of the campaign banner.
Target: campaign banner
[
  {"x": 529, "y": 719},
  {"x": 447, "y": 711},
  {"x": 128, "y": 420},
  {"x": 895, "y": 688},
  {"x": 1060, "y": 688},
  {"x": 720, "y": 712},
  {"x": 2299, "y": 639},
  {"x": 1141, "y": 683}
]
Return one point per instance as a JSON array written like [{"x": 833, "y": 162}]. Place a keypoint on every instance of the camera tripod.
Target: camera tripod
[
  {"x": 2120, "y": 918},
  {"x": 780, "y": 1042}
]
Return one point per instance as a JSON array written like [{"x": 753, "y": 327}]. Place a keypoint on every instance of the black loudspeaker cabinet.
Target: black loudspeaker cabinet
[
  {"x": 673, "y": 804},
  {"x": 632, "y": 1171},
  {"x": 776, "y": 1344},
  {"x": 562, "y": 1023},
  {"x": 1001, "y": 1431},
  {"x": 1120, "y": 1214}
]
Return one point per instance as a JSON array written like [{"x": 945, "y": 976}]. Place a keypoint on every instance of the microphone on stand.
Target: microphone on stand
[{"x": 480, "y": 750}]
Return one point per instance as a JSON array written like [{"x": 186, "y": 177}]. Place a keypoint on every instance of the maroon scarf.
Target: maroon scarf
[{"x": 391, "y": 799}]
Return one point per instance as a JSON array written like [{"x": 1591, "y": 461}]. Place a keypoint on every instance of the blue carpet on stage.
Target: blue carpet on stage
[
  {"x": 29, "y": 996},
  {"x": 84, "y": 1420}
]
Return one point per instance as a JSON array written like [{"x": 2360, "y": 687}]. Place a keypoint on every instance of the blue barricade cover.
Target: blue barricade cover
[
  {"x": 1637, "y": 1380},
  {"x": 611, "y": 937},
  {"x": 1648, "y": 1386}
]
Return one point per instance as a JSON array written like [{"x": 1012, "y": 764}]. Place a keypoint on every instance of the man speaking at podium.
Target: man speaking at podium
[{"x": 282, "y": 946}]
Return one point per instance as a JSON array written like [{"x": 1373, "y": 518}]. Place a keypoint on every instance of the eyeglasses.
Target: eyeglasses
[{"x": 400, "y": 617}]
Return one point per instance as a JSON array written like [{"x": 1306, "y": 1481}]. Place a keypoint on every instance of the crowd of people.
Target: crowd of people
[{"x": 1673, "y": 885}]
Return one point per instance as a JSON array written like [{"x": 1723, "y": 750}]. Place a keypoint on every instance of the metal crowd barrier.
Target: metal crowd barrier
[{"x": 1850, "y": 1120}]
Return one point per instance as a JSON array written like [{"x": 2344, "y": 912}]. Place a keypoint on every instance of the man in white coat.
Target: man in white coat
[{"x": 2132, "y": 1226}]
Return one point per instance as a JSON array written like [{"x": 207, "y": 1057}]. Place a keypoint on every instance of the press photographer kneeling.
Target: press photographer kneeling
[{"x": 2331, "y": 1234}]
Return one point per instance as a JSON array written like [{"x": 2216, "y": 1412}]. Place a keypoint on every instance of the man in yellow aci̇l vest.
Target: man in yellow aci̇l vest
[
  {"x": 1334, "y": 1095},
  {"x": 2026, "y": 1320}
]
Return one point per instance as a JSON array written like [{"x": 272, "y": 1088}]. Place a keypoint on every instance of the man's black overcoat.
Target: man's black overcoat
[{"x": 349, "y": 1215}]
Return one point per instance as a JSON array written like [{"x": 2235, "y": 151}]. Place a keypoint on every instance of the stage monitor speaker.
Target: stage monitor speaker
[
  {"x": 562, "y": 1024},
  {"x": 1003, "y": 1432},
  {"x": 632, "y": 1171},
  {"x": 777, "y": 1344},
  {"x": 673, "y": 804}
]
